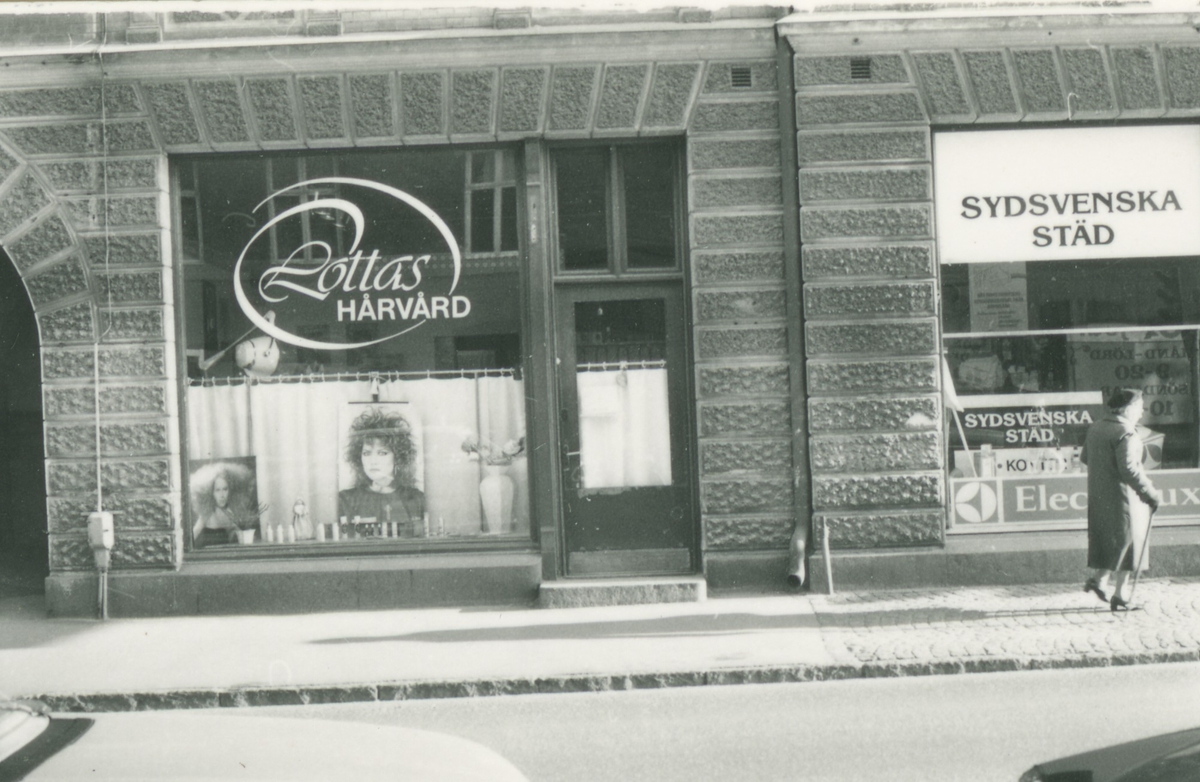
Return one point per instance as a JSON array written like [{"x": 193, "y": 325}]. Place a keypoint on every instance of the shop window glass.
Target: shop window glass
[
  {"x": 582, "y": 185},
  {"x": 1070, "y": 266},
  {"x": 1032, "y": 351},
  {"x": 617, "y": 207},
  {"x": 354, "y": 376},
  {"x": 649, "y": 207},
  {"x": 493, "y": 202}
]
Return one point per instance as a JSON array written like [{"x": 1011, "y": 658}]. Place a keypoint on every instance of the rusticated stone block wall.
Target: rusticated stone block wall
[
  {"x": 871, "y": 305},
  {"x": 86, "y": 237},
  {"x": 739, "y": 311},
  {"x": 84, "y": 216}
]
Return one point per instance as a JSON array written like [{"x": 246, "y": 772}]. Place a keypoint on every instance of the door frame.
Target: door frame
[
  {"x": 680, "y": 391},
  {"x": 539, "y": 234}
]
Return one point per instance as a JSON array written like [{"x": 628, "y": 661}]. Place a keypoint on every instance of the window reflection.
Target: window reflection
[
  {"x": 617, "y": 207},
  {"x": 445, "y": 397}
]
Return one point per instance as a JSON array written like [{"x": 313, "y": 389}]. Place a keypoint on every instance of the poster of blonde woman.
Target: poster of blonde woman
[{"x": 224, "y": 500}]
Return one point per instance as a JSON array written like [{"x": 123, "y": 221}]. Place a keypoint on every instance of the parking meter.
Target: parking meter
[{"x": 101, "y": 537}]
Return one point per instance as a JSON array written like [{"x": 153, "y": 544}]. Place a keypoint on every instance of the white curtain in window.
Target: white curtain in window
[
  {"x": 296, "y": 444},
  {"x": 624, "y": 428},
  {"x": 292, "y": 430},
  {"x": 219, "y": 422}
]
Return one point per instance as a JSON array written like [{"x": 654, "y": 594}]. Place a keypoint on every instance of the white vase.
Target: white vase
[{"x": 496, "y": 491}]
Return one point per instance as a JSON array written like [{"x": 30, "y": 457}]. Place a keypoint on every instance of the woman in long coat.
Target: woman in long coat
[{"x": 1120, "y": 498}]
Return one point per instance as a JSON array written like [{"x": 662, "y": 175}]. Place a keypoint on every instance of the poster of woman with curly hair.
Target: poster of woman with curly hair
[
  {"x": 224, "y": 496},
  {"x": 382, "y": 449}
]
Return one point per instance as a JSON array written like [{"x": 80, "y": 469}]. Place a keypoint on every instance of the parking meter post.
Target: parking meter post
[
  {"x": 101, "y": 537},
  {"x": 825, "y": 553}
]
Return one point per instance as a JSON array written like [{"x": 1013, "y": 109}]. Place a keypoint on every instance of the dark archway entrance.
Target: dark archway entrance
[{"x": 24, "y": 559}]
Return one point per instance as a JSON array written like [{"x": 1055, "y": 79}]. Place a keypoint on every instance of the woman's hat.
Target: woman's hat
[{"x": 1123, "y": 397}]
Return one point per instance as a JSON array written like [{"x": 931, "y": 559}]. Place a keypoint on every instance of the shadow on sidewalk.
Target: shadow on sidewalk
[
  {"x": 677, "y": 626},
  {"x": 24, "y": 624}
]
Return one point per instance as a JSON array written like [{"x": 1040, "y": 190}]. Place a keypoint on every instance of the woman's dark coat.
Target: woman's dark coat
[{"x": 1119, "y": 495}]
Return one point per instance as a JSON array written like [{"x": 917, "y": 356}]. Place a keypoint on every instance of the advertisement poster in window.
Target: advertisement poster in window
[
  {"x": 224, "y": 501},
  {"x": 1157, "y": 362},
  {"x": 382, "y": 473}
]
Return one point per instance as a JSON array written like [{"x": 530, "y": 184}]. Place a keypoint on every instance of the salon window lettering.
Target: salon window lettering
[
  {"x": 398, "y": 274},
  {"x": 312, "y": 271},
  {"x": 411, "y": 308}
]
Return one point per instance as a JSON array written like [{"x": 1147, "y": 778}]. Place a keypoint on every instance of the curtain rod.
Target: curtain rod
[
  {"x": 605, "y": 366},
  {"x": 334, "y": 377}
]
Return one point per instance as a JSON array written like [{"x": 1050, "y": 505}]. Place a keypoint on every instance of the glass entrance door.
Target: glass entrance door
[{"x": 626, "y": 475}]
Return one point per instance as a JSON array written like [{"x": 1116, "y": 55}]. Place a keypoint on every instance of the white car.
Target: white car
[{"x": 181, "y": 745}]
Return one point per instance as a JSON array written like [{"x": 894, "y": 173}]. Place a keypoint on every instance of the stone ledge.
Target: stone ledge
[
  {"x": 427, "y": 690},
  {"x": 298, "y": 586},
  {"x": 610, "y": 592}
]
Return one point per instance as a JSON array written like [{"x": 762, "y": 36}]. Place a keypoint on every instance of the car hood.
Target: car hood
[
  {"x": 189, "y": 746},
  {"x": 1170, "y": 757}
]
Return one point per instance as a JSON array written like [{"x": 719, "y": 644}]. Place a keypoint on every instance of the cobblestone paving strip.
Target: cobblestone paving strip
[{"x": 1026, "y": 625}]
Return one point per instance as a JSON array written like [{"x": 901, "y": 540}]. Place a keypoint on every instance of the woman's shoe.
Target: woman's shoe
[
  {"x": 1117, "y": 604},
  {"x": 1091, "y": 586}
]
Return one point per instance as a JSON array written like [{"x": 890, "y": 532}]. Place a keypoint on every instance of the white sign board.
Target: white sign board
[{"x": 1067, "y": 193}]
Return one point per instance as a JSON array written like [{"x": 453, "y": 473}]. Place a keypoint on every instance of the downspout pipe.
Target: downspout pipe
[{"x": 789, "y": 178}]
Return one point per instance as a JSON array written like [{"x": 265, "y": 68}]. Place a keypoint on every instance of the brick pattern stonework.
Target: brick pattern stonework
[
  {"x": 86, "y": 235},
  {"x": 89, "y": 235},
  {"x": 738, "y": 291},
  {"x": 877, "y": 424},
  {"x": 82, "y": 178}
]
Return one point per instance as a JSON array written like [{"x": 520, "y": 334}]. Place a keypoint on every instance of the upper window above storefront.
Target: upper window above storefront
[
  {"x": 618, "y": 207},
  {"x": 223, "y": 200},
  {"x": 1070, "y": 266},
  {"x": 352, "y": 328}
]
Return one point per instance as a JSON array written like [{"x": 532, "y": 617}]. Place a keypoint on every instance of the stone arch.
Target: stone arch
[
  {"x": 23, "y": 554},
  {"x": 66, "y": 218}
]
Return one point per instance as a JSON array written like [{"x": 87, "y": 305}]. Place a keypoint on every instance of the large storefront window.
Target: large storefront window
[
  {"x": 1058, "y": 285},
  {"x": 352, "y": 329}
]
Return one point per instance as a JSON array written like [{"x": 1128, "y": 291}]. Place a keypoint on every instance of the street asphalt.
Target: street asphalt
[{"x": 204, "y": 662}]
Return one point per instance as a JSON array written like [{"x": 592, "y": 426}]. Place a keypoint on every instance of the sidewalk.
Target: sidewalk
[{"x": 196, "y": 662}]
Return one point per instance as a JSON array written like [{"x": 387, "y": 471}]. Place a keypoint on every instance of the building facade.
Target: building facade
[
  {"x": 357, "y": 309},
  {"x": 956, "y": 356}
]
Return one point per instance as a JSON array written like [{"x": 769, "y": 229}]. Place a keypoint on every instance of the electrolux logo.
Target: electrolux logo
[
  {"x": 975, "y": 502},
  {"x": 355, "y": 287}
]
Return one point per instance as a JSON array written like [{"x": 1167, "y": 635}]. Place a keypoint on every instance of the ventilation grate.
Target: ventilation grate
[
  {"x": 741, "y": 77},
  {"x": 860, "y": 68}
]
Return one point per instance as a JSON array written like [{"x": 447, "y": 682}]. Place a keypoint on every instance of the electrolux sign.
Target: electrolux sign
[
  {"x": 1067, "y": 193},
  {"x": 1047, "y": 499}
]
